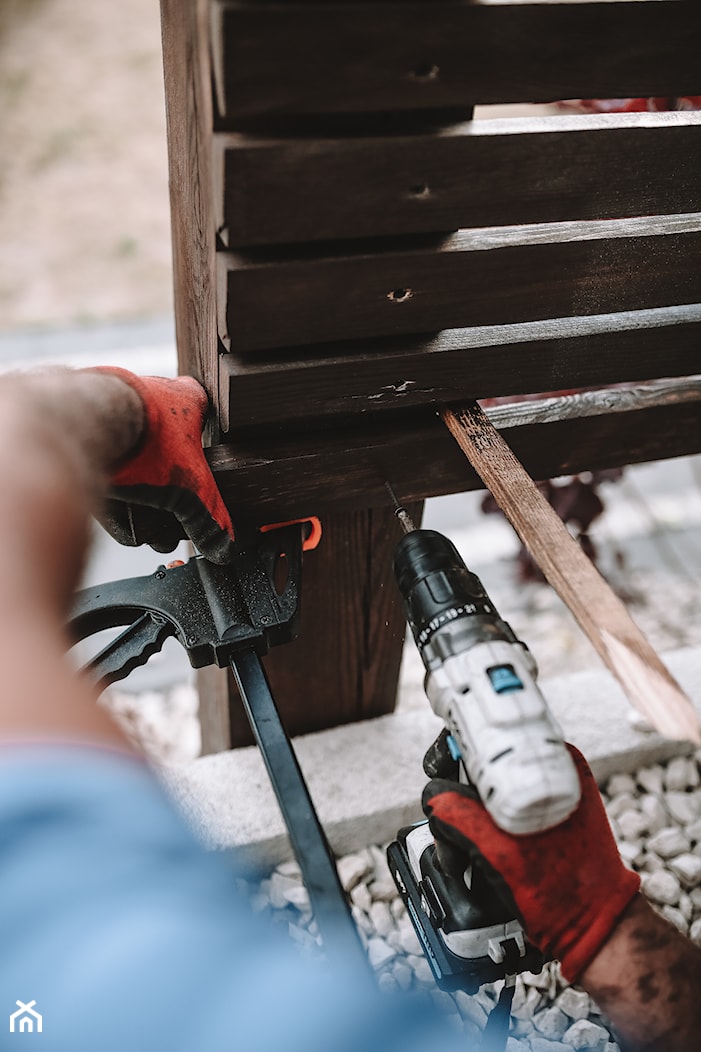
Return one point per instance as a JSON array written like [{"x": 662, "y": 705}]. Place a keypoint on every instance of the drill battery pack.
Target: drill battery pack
[{"x": 468, "y": 935}]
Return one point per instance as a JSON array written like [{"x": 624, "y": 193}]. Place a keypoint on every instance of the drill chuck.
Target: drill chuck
[
  {"x": 447, "y": 607},
  {"x": 480, "y": 679}
]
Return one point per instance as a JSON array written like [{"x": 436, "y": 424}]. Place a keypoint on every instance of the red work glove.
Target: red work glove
[
  {"x": 568, "y": 885},
  {"x": 164, "y": 491}
]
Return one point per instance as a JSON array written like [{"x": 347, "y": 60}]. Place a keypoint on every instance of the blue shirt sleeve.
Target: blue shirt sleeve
[{"x": 127, "y": 935}]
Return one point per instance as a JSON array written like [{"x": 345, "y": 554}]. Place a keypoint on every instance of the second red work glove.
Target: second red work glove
[
  {"x": 164, "y": 491},
  {"x": 568, "y": 884}
]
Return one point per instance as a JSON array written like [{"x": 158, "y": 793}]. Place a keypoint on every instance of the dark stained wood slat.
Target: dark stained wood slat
[
  {"x": 484, "y": 277},
  {"x": 463, "y": 364},
  {"x": 268, "y": 479},
  {"x": 278, "y": 60},
  {"x": 480, "y": 173}
]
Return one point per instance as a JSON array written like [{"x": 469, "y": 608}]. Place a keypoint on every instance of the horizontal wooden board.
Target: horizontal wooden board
[
  {"x": 281, "y": 60},
  {"x": 462, "y": 364},
  {"x": 484, "y": 277},
  {"x": 480, "y": 173},
  {"x": 271, "y": 479}
]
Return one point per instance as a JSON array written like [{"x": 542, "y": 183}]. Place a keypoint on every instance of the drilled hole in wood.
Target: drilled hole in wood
[
  {"x": 419, "y": 190},
  {"x": 427, "y": 71},
  {"x": 400, "y": 295}
]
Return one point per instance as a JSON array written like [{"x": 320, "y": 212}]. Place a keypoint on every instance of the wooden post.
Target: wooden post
[
  {"x": 189, "y": 120},
  {"x": 344, "y": 664}
]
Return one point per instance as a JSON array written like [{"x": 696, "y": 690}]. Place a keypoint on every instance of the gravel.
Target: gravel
[{"x": 655, "y": 817}]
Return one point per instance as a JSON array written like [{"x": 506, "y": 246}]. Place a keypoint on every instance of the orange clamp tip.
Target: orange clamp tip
[{"x": 313, "y": 536}]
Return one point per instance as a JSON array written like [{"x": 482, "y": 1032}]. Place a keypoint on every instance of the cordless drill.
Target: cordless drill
[{"x": 480, "y": 680}]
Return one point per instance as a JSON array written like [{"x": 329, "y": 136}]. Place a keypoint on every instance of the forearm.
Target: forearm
[
  {"x": 647, "y": 980},
  {"x": 60, "y": 432}
]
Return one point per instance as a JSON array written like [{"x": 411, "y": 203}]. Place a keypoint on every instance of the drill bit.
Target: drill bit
[{"x": 401, "y": 513}]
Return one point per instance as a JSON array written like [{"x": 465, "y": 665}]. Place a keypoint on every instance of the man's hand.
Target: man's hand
[
  {"x": 163, "y": 491},
  {"x": 568, "y": 885}
]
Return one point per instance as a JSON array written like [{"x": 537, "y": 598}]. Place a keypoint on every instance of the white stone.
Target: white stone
[
  {"x": 381, "y": 918},
  {"x": 397, "y": 908},
  {"x": 301, "y": 936},
  {"x": 421, "y": 969},
  {"x": 632, "y": 824},
  {"x": 652, "y": 864},
  {"x": 542, "y": 980},
  {"x": 586, "y": 1035},
  {"x": 408, "y": 938},
  {"x": 472, "y": 1034},
  {"x": 529, "y": 1005},
  {"x": 290, "y": 869},
  {"x": 620, "y": 783},
  {"x": 383, "y": 890},
  {"x": 651, "y": 779},
  {"x": 693, "y": 830},
  {"x": 651, "y": 807},
  {"x": 675, "y": 917},
  {"x": 403, "y": 974},
  {"x": 618, "y": 805},
  {"x": 695, "y": 932},
  {"x": 574, "y": 1003},
  {"x": 695, "y": 896},
  {"x": 360, "y": 897},
  {"x": 387, "y": 983},
  {"x": 470, "y": 1008},
  {"x": 686, "y": 907},
  {"x": 540, "y": 1044},
  {"x": 631, "y": 851},
  {"x": 443, "y": 1001},
  {"x": 682, "y": 773},
  {"x": 379, "y": 953},
  {"x": 683, "y": 807},
  {"x": 668, "y": 842},
  {"x": 280, "y": 886},
  {"x": 362, "y": 921},
  {"x": 378, "y": 858},
  {"x": 662, "y": 887},
  {"x": 352, "y": 869},
  {"x": 298, "y": 896},
  {"x": 688, "y": 868},
  {"x": 551, "y": 1023}
]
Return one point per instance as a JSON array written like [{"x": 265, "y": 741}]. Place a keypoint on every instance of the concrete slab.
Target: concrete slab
[{"x": 366, "y": 778}]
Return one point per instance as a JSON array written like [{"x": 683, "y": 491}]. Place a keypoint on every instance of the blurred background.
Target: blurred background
[{"x": 84, "y": 222}]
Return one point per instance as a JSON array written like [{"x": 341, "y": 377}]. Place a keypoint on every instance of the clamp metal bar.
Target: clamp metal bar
[{"x": 309, "y": 841}]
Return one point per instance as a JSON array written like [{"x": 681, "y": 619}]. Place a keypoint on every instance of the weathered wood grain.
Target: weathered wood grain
[
  {"x": 281, "y": 60},
  {"x": 496, "y": 275},
  {"x": 272, "y": 476},
  {"x": 481, "y": 173},
  {"x": 187, "y": 74},
  {"x": 341, "y": 381},
  {"x": 647, "y": 682}
]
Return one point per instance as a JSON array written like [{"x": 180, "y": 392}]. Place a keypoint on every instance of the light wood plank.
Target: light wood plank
[{"x": 647, "y": 682}]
